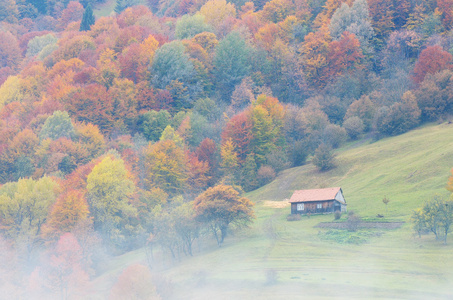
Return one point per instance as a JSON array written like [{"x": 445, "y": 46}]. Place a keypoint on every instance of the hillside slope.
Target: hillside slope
[
  {"x": 277, "y": 259},
  {"x": 408, "y": 169}
]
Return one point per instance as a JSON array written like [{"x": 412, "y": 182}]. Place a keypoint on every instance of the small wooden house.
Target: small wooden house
[{"x": 328, "y": 200}]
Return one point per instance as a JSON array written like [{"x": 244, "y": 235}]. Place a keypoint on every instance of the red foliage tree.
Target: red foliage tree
[
  {"x": 345, "y": 55},
  {"x": 72, "y": 13},
  {"x": 77, "y": 180},
  {"x": 146, "y": 97},
  {"x": 431, "y": 60},
  {"x": 134, "y": 63},
  {"x": 131, "y": 14},
  {"x": 129, "y": 35},
  {"x": 9, "y": 50},
  {"x": 198, "y": 172},
  {"x": 239, "y": 129},
  {"x": 206, "y": 151}
]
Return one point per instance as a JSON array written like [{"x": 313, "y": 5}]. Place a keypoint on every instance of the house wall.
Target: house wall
[
  {"x": 312, "y": 207},
  {"x": 340, "y": 197}
]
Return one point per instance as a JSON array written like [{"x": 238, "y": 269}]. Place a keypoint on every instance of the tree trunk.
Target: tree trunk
[
  {"x": 223, "y": 231},
  {"x": 214, "y": 230}
]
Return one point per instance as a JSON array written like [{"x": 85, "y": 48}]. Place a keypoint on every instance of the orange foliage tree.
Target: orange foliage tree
[
  {"x": 381, "y": 14},
  {"x": 277, "y": 10},
  {"x": 221, "y": 206},
  {"x": 315, "y": 49},
  {"x": 136, "y": 58},
  {"x": 92, "y": 104},
  {"x": 69, "y": 209},
  {"x": 446, "y": 9}
]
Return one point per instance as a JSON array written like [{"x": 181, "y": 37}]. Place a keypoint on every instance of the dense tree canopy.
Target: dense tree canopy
[{"x": 109, "y": 126}]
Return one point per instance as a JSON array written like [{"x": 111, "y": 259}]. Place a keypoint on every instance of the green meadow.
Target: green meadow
[{"x": 278, "y": 259}]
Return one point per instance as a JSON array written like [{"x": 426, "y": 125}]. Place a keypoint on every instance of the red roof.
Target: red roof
[{"x": 314, "y": 195}]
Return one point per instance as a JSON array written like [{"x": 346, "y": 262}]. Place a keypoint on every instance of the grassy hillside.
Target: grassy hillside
[
  {"x": 407, "y": 169},
  {"x": 104, "y": 9},
  {"x": 277, "y": 259}
]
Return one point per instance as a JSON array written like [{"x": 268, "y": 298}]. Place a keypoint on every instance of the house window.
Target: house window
[
  {"x": 319, "y": 205},
  {"x": 300, "y": 206}
]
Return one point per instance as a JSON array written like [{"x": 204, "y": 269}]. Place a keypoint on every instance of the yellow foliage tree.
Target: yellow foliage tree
[
  {"x": 217, "y": 11},
  {"x": 166, "y": 166}
]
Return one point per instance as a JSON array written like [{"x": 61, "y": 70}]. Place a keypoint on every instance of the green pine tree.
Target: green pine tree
[
  {"x": 249, "y": 173},
  {"x": 87, "y": 19},
  {"x": 123, "y": 4}
]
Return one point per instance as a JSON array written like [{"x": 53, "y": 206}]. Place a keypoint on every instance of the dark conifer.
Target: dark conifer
[{"x": 87, "y": 19}]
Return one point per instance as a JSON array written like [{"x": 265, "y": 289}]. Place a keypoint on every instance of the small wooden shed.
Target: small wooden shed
[{"x": 328, "y": 200}]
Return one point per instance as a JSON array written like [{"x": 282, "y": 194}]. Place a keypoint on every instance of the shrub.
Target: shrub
[
  {"x": 400, "y": 117},
  {"x": 353, "y": 221},
  {"x": 298, "y": 152},
  {"x": 337, "y": 215},
  {"x": 293, "y": 217},
  {"x": 278, "y": 160},
  {"x": 334, "y": 135},
  {"x": 363, "y": 108},
  {"x": 324, "y": 159},
  {"x": 354, "y": 127},
  {"x": 434, "y": 97}
]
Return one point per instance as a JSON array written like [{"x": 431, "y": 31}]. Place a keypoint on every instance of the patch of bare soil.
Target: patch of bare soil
[{"x": 276, "y": 204}]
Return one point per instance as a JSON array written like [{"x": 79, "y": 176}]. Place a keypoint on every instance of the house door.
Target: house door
[{"x": 337, "y": 207}]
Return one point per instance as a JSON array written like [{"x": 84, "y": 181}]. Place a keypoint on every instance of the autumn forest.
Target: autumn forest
[{"x": 145, "y": 127}]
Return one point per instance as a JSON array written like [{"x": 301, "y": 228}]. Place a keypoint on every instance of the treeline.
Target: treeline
[{"x": 110, "y": 124}]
